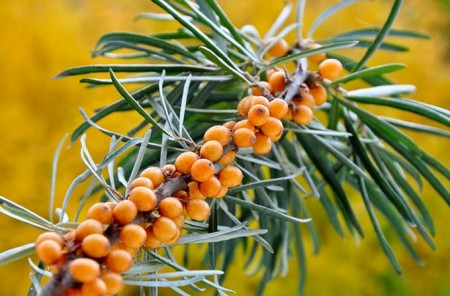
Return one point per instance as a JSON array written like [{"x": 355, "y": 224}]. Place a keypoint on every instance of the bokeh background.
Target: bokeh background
[{"x": 38, "y": 39}]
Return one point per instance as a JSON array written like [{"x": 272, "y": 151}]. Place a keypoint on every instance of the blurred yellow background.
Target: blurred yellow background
[{"x": 38, "y": 39}]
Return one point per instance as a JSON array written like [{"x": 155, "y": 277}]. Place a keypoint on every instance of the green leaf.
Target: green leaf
[
  {"x": 133, "y": 68},
  {"x": 418, "y": 127},
  {"x": 374, "y": 31},
  {"x": 367, "y": 72},
  {"x": 16, "y": 253},
  {"x": 382, "y": 90},
  {"x": 20, "y": 213},
  {"x": 127, "y": 96},
  {"x": 282, "y": 17},
  {"x": 381, "y": 35},
  {"x": 262, "y": 183},
  {"x": 53, "y": 177},
  {"x": 327, "y": 13},
  {"x": 306, "y": 53},
  {"x": 265, "y": 211}
]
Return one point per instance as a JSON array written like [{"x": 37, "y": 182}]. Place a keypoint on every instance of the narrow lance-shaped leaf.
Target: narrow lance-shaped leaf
[{"x": 374, "y": 71}]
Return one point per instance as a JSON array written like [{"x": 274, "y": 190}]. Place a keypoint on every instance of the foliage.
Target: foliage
[{"x": 196, "y": 77}]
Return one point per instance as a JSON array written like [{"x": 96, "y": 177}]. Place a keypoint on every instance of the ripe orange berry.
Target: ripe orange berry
[
  {"x": 278, "y": 81},
  {"x": 175, "y": 239},
  {"x": 279, "y": 49},
  {"x": 84, "y": 269},
  {"x": 262, "y": 145},
  {"x": 317, "y": 58},
  {"x": 152, "y": 242},
  {"x": 202, "y": 170},
  {"x": 270, "y": 72},
  {"x": 119, "y": 261},
  {"x": 194, "y": 192},
  {"x": 257, "y": 91},
  {"x": 228, "y": 157},
  {"x": 87, "y": 227},
  {"x": 229, "y": 124},
  {"x": 133, "y": 235},
  {"x": 72, "y": 292},
  {"x": 168, "y": 169},
  {"x": 244, "y": 105},
  {"x": 211, "y": 150},
  {"x": 182, "y": 196},
  {"x": 154, "y": 174},
  {"x": 244, "y": 137},
  {"x": 306, "y": 99},
  {"x": 289, "y": 114},
  {"x": 198, "y": 209},
  {"x": 259, "y": 100},
  {"x": 170, "y": 207},
  {"x": 179, "y": 221},
  {"x": 165, "y": 228},
  {"x": 319, "y": 93},
  {"x": 258, "y": 115},
  {"x": 49, "y": 236},
  {"x": 142, "y": 182},
  {"x": 273, "y": 127},
  {"x": 230, "y": 176},
  {"x": 113, "y": 281},
  {"x": 122, "y": 246},
  {"x": 303, "y": 115},
  {"x": 278, "y": 108},
  {"x": 330, "y": 69},
  {"x": 223, "y": 192},
  {"x": 244, "y": 123},
  {"x": 218, "y": 133},
  {"x": 100, "y": 212},
  {"x": 210, "y": 188},
  {"x": 184, "y": 161},
  {"x": 49, "y": 251},
  {"x": 96, "y": 245},
  {"x": 124, "y": 212},
  {"x": 143, "y": 198},
  {"x": 97, "y": 287}
]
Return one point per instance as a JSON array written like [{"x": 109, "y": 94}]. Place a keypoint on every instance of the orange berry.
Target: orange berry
[
  {"x": 278, "y": 108},
  {"x": 49, "y": 236},
  {"x": 229, "y": 124},
  {"x": 228, "y": 157},
  {"x": 100, "y": 212},
  {"x": 182, "y": 196},
  {"x": 210, "y": 188},
  {"x": 317, "y": 58},
  {"x": 306, "y": 99},
  {"x": 97, "y": 287},
  {"x": 223, "y": 192},
  {"x": 319, "y": 93},
  {"x": 154, "y": 174},
  {"x": 230, "y": 176},
  {"x": 330, "y": 69},
  {"x": 169, "y": 169},
  {"x": 278, "y": 81},
  {"x": 184, "y": 161},
  {"x": 118, "y": 261},
  {"x": 113, "y": 281},
  {"x": 125, "y": 212},
  {"x": 257, "y": 91},
  {"x": 95, "y": 245},
  {"x": 211, "y": 150},
  {"x": 202, "y": 170},
  {"x": 151, "y": 242},
  {"x": 303, "y": 115},
  {"x": 72, "y": 292},
  {"x": 69, "y": 237},
  {"x": 175, "y": 239},
  {"x": 165, "y": 228},
  {"x": 87, "y": 227},
  {"x": 142, "y": 182},
  {"x": 49, "y": 251},
  {"x": 194, "y": 192},
  {"x": 273, "y": 127},
  {"x": 133, "y": 235},
  {"x": 289, "y": 114},
  {"x": 270, "y": 72},
  {"x": 244, "y": 105},
  {"x": 258, "y": 115},
  {"x": 218, "y": 133},
  {"x": 179, "y": 221},
  {"x": 279, "y": 49},
  {"x": 244, "y": 123},
  {"x": 84, "y": 269},
  {"x": 143, "y": 198},
  {"x": 244, "y": 137},
  {"x": 259, "y": 100},
  {"x": 122, "y": 246},
  {"x": 262, "y": 145},
  {"x": 170, "y": 207},
  {"x": 198, "y": 209}
]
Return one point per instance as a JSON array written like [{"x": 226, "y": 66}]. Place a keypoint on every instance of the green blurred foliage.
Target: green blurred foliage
[{"x": 40, "y": 38}]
